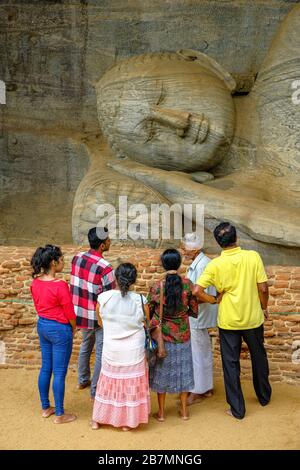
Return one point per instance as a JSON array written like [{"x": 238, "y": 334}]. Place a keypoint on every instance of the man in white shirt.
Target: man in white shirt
[{"x": 207, "y": 318}]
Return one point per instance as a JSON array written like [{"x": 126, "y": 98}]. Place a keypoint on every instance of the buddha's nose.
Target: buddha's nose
[{"x": 179, "y": 120}]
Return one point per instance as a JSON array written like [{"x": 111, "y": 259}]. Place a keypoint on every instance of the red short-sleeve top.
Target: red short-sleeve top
[{"x": 52, "y": 300}]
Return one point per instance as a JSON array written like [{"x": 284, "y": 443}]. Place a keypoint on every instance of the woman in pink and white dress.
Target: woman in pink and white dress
[{"x": 122, "y": 396}]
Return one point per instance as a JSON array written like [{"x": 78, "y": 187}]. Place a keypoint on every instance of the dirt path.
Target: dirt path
[{"x": 276, "y": 426}]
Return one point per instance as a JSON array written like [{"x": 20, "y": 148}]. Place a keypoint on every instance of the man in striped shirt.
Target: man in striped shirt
[{"x": 91, "y": 274}]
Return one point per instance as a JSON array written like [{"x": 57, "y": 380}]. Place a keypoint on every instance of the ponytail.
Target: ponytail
[
  {"x": 43, "y": 257},
  {"x": 126, "y": 275},
  {"x": 173, "y": 292},
  {"x": 171, "y": 261}
]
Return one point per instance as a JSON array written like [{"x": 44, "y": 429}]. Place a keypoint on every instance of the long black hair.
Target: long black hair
[
  {"x": 43, "y": 257},
  {"x": 126, "y": 275},
  {"x": 171, "y": 260}
]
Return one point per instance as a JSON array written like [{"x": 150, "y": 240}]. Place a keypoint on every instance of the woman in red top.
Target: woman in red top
[{"x": 55, "y": 328}]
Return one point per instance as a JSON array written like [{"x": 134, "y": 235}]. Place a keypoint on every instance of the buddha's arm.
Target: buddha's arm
[{"x": 262, "y": 220}]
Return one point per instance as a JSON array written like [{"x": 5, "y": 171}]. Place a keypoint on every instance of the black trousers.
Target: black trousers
[{"x": 231, "y": 342}]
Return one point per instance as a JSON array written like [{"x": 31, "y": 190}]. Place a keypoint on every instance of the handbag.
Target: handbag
[
  {"x": 150, "y": 343},
  {"x": 156, "y": 334}
]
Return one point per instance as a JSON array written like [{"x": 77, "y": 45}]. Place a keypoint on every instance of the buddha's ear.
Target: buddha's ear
[{"x": 210, "y": 64}]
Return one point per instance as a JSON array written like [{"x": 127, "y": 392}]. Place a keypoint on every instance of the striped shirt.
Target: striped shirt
[{"x": 90, "y": 276}]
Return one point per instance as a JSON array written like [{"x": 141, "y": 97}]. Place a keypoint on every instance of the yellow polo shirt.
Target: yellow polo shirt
[{"x": 236, "y": 273}]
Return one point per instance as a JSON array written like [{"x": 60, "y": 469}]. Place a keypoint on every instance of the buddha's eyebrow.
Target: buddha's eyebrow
[{"x": 162, "y": 91}]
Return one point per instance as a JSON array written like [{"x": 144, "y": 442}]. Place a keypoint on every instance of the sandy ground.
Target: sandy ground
[{"x": 276, "y": 426}]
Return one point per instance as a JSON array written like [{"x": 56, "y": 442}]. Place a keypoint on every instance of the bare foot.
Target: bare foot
[
  {"x": 48, "y": 412},
  {"x": 125, "y": 428},
  {"x": 208, "y": 394},
  {"x": 95, "y": 425},
  {"x": 229, "y": 413},
  {"x": 193, "y": 398},
  {"x": 83, "y": 385},
  {"x": 63, "y": 419},
  {"x": 159, "y": 417},
  {"x": 185, "y": 416}
]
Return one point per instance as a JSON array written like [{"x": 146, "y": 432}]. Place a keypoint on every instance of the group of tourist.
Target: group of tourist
[{"x": 230, "y": 290}]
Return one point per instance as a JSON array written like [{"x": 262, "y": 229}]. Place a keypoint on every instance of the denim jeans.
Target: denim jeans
[
  {"x": 56, "y": 341},
  {"x": 89, "y": 338}
]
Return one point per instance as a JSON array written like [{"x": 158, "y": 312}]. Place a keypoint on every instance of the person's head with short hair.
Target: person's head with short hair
[
  {"x": 191, "y": 245},
  {"x": 99, "y": 239},
  {"x": 126, "y": 275},
  {"x": 225, "y": 235}
]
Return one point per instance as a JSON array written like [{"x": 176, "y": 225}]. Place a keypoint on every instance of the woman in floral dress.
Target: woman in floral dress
[{"x": 173, "y": 374}]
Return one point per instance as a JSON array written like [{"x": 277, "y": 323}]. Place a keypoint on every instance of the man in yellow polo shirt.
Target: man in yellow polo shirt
[{"x": 239, "y": 277}]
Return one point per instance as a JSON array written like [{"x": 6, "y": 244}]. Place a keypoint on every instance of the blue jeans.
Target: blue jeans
[
  {"x": 56, "y": 341},
  {"x": 89, "y": 338}
]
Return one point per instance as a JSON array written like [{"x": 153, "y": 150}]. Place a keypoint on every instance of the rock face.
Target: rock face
[{"x": 52, "y": 53}]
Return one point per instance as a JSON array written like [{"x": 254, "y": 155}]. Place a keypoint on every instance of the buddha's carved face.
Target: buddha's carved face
[{"x": 170, "y": 114}]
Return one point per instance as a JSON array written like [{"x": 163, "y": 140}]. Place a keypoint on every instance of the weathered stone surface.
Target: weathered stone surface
[
  {"x": 145, "y": 117},
  {"x": 38, "y": 178},
  {"x": 51, "y": 55}
]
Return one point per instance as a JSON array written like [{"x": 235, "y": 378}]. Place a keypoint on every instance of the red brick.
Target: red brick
[
  {"x": 17, "y": 285},
  {"x": 11, "y": 264},
  {"x": 285, "y": 302},
  {"x": 21, "y": 278},
  {"x": 283, "y": 277},
  {"x": 8, "y": 310},
  {"x": 276, "y": 341},
  {"x": 4, "y": 291},
  {"x": 3, "y": 271},
  {"x": 274, "y": 292},
  {"x": 282, "y": 309},
  {"x": 27, "y": 321},
  {"x": 295, "y": 285},
  {"x": 145, "y": 264},
  {"x": 281, "y": 285},
  {"x": 269, "y": 334}
]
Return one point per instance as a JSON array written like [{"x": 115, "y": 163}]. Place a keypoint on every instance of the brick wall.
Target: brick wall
[{"x": 19, "y": 344}]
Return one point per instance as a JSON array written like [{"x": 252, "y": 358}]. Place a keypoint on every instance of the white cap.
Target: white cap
[{"x": 192, "y": 241}]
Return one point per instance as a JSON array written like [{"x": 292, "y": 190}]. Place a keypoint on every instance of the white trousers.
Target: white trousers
[{"x": 202, "y": 361}]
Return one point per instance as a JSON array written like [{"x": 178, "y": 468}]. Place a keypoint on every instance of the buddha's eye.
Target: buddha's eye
[{"x": 151, "y": 130}]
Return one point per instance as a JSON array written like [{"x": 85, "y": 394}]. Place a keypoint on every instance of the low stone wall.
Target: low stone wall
[{"x": 19, "y": 344}]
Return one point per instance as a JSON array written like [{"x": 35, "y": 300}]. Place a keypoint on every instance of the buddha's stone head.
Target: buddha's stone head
[{"x": 170, "y": 110}]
